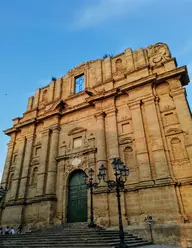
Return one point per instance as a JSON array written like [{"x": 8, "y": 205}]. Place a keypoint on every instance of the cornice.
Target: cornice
[
  {"x": 82, "y": 152},
  {"x": 155, "y": 78}
]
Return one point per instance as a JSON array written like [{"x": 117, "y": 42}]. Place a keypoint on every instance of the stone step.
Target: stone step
[
  {"x": 56, "y": 245},
  {"x": 71, "y": 240},
  {"x": 74, "y": 235},
  {"x": 65, "y": 235}
]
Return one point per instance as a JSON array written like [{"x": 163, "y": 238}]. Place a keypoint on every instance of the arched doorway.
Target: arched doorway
[{"x": 77, "y": 198}]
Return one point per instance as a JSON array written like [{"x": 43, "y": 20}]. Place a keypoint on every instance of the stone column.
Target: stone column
[
  {"x": 5, "y": 176},
  {"x": 112, "y": 138},
  {"x": 157, "y": 147},
  {"x": 101, "y": 142},
  {"x": 43, "y": 162},
  {"x": 140, "y": 143},
  {"x": 52, "y": 167},
  {"x": 26, "y": 165},
  {"x": 60, "y": 182},
  {"x": 18, "y": 168}
]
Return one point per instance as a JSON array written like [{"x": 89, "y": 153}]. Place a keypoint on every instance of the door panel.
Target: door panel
[{"x": 77, "y": 198}]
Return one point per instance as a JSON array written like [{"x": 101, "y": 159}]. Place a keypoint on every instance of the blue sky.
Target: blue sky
[{"x": 44, "y": 38}]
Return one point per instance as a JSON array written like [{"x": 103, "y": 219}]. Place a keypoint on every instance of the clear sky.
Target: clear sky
[{"x": 44, "y": 38}]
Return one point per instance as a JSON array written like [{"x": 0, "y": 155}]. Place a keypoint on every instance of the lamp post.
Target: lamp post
[
  {"x": 121, "y": 173},
  {"x": 91, "y": 186}
]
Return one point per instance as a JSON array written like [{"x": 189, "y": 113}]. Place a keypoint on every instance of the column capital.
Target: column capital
[
  {"x": 100, "y": 114},
  {"x": 30, "y": 136},
  {"x": 55, "y": 128},
  {"x": 178, "y": 92},
  {"x": 22, "y": 139},
  {"x": 111, "y": 111},
  {"x": 148, "y": 100},
  {"x": 134, "y": 104},
  {"x": 45, "y": 132}
]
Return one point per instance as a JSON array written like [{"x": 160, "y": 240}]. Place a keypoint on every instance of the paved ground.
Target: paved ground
[{"x": 159, "y": 246}]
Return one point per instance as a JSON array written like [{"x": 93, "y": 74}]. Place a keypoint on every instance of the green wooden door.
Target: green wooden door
[{"x": 77, "y": 198}]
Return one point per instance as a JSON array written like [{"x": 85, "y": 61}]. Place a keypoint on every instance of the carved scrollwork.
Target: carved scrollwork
[
  {"x": 158, "y": 54},
  {"x": 75, "y": 163}
]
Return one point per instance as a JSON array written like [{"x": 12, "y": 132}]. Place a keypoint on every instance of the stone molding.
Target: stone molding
[{"x": 79, "y": 153}]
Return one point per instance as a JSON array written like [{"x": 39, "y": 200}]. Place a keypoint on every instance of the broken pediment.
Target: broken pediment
[
  {"x": 60, "y": 105},
  {"x": 90, "y": 91},
  {"x": 77, "y": 130}
]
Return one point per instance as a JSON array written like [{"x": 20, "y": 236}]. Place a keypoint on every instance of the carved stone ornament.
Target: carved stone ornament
[
  {"x": 158, "y": 54},
  {"x": 74, "y": 164},
  {"x": 76, "y": 161},
  {"x": 126, "y": 140},
  {"x": 173, "y": 131}
]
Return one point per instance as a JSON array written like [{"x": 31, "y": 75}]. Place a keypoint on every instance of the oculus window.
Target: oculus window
[{"x": 79, "y": 83}]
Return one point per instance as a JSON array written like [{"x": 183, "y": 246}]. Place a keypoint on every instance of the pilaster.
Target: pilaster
[
  {"x": 101, "y": 140},
  {"x": 52, "y": 169},
  {"x": 18, "y": 168},
  {"x": 5, "y": 176},
  {"x": 60, "y": 184},
  {"x": 140, "y": 143},
  {"x": 184, "y": 116},
  {"x": 43, "y": 162},
  {"x": 111, "y": 137},
  {"x": 182, "y": 109},
  {"x": 26, "y": 164},
  {"x": 157, "y": 147}
]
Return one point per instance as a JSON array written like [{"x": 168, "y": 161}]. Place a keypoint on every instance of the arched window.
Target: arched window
[
  {"x": 118, "y": 64},
  {"x": 44, "y": 96},
  {"x": 177, "y": 149},
  {"x": 34, "y": 176}
]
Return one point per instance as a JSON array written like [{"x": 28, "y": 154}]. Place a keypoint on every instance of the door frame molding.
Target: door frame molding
[{"x": 67, "y": 190}]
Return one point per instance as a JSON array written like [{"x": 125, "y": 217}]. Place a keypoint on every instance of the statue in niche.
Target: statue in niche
[
  {"x": 129, "y": 159},
  {"x": 177, "y": 149}
]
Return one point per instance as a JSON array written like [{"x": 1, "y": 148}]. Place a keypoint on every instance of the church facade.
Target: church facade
[{"x": 131, "y": 106}]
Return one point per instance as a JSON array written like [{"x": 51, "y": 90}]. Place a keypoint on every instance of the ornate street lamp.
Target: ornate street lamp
[
  {"x": 121, "y": 173},
  {"x": 91, "y": 186},
  {"x": 2, "y": 192}
]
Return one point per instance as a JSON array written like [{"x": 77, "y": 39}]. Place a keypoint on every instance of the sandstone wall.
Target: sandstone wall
[{"x": 133, "y": 107}]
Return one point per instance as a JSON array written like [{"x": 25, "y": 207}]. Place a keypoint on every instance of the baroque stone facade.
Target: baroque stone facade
[{"x": 132, "y": 106}]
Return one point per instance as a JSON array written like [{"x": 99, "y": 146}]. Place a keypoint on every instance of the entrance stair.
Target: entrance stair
[{"x": 72, "y": 235}]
